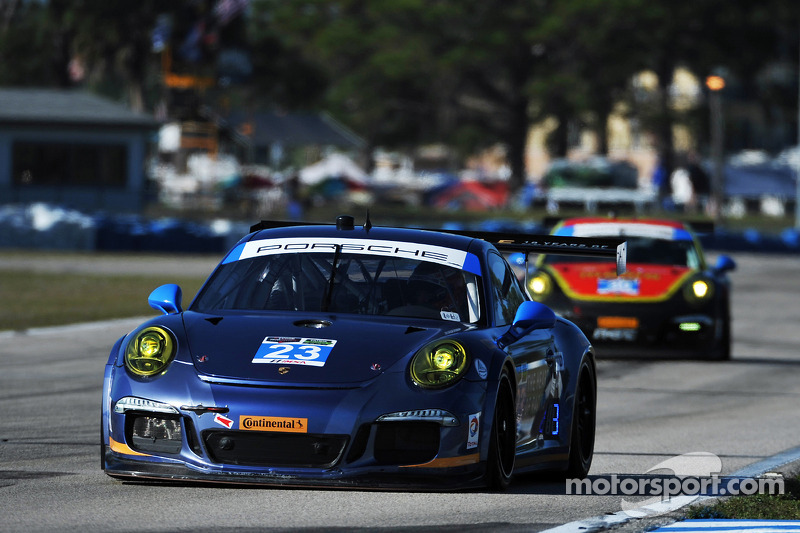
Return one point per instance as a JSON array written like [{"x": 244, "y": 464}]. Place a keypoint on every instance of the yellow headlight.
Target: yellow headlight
[
  {"x": 443, "y": 358},
  {"x": 700, "y": 288},
  {"x": 539, "y": 286},
  {"x": 439, "y": 364},
  {"x": 698, "y": 291},
  {"x": 149, "y": 351}
]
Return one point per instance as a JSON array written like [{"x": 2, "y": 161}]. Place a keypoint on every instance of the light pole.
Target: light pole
[
  {"x": 797, "y": 171},
  {"x": 715, "y": 84}
]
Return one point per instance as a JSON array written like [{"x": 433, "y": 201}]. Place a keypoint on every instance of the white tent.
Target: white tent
[{"x": 334, "y": 165}]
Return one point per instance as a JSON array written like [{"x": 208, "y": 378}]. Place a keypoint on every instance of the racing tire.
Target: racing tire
[
  {"x": 584, "y": 421},
  {"x": 503, "y": 436},
  {"x": 102, "y": 445},
  {"x": 722, "y": 348}
]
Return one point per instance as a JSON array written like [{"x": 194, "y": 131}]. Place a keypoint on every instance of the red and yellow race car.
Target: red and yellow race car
[{"x": 668, "y": 303}]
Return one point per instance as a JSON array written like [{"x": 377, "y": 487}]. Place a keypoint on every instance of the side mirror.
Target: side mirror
[
  {"x": 530, "y": 316},
  {"x": 724, "y": 264},
  {"x": 166, "y": 298}
]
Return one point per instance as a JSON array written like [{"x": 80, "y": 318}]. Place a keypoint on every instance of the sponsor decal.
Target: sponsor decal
[
  {"x": 480, "y": 368},
  {"x": 618, "y": 286},
  {"x": 474, "y": 428},
  {"x": 449, "y": 315},
  {"x": 273, "y": 423},
  {"x": 557, "y": 244},
  {"x": 223, "y": 421},
  {"x": 423, "y": 252},
  {"x": 611, "y": 322},
  {"x": 605, "y": 334},
  {"x": 294, "y": 351}
]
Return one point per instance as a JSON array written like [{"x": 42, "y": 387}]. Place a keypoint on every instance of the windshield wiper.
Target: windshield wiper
[{"x": 329, "y": 293}]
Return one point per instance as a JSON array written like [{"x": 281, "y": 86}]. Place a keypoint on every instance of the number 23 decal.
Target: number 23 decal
[
  {"x": 297, "y": 351},
  {"x": 290, "y": 350}
]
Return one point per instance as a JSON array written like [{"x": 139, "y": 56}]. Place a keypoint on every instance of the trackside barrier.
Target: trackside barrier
[{"x": 42, "y": 226}]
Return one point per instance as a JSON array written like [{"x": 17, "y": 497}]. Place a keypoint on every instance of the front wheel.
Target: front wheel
[
  {"x": 584, "y": 419},
  {"x": 722, "y": 347},
  {"x": 502, "y": 446}
]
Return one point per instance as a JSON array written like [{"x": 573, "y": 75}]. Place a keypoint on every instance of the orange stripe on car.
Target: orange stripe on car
[{"x": 123, "y": 448}]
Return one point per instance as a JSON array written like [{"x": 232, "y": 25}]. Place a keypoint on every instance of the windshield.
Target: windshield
[
  {"x": 645, "y": 250},
  {"x": 343, "y": 283}
]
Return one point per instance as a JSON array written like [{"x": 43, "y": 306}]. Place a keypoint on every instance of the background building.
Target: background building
[{"x": 72, "y": 148}]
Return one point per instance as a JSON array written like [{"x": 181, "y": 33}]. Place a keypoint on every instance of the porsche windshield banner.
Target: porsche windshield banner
[{"x": 422, "y": 252}]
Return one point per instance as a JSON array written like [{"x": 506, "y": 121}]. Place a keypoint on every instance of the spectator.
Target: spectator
[
  {"x": 294, "y": 204},
  {"x": 662, "y": 184},
  {"x": 681, "y": 188}
]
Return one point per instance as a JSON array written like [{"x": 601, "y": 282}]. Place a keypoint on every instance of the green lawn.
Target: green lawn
[
  {"x": 33, "y": 299},
  {"x": 756, "y": 507}
]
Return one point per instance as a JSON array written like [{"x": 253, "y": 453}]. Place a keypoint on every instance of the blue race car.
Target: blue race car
[{"x": 319, "y": 355}]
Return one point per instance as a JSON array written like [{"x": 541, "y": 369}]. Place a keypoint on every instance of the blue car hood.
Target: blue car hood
[{"x": 274, "y": 348}]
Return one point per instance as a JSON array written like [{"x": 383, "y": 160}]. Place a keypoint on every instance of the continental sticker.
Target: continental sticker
[
  {"x": 273, "y": 423},
  {"x": 294, "y": 351}
]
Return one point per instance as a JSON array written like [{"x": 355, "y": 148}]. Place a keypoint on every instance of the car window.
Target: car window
[
  {"x": 507, "y": 294},
  {"x": 344, "y": 283}
]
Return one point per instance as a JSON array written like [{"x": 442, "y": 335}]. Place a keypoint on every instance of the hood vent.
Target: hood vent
[{"x": 316, "y": 324}]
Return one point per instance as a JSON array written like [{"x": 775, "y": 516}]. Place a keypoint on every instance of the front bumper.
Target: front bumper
[
  {"x": 659, "y": 330},
  {"x": 301, "y": 437}
]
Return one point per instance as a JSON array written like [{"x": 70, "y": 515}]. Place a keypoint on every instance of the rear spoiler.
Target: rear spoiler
[{"x": 613, "y": 248}]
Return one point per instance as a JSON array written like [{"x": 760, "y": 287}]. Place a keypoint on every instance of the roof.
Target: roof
[
  {"x": 70, "y": 107},
  {"x": 306, "y": 236},
  {"x": 293, "y": 129},
  {"x": 318, "y": 231}
]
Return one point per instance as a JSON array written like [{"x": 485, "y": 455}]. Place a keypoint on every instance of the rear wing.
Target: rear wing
[{"x": 612, "y": 248}]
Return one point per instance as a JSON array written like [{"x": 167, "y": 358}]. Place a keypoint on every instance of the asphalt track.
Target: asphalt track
[{"x": 743, "y": 411}]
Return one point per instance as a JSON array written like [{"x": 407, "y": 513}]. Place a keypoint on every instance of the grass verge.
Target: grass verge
[
  {"x": 34, "y": 299},
  {"x": 754, "y": 507}
]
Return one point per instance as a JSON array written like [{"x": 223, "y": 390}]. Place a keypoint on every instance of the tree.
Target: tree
[
  {"x": 473, "y": 71},
  {"x": 469, "y": 73},
  {"x": 27, "y": 46}
]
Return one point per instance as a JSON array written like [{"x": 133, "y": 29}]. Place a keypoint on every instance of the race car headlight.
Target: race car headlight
[
  {"x": 698, "y": 291},
  {"x": 149, "y": 351},
  {"x": 439, "y": 364},
  {"x": 540, "y": 286}
]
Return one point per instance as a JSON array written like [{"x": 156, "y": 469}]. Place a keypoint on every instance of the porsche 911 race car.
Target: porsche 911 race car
[
  {"x": 320, "y": 355},
  {"x": 668, "y": 303}
]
